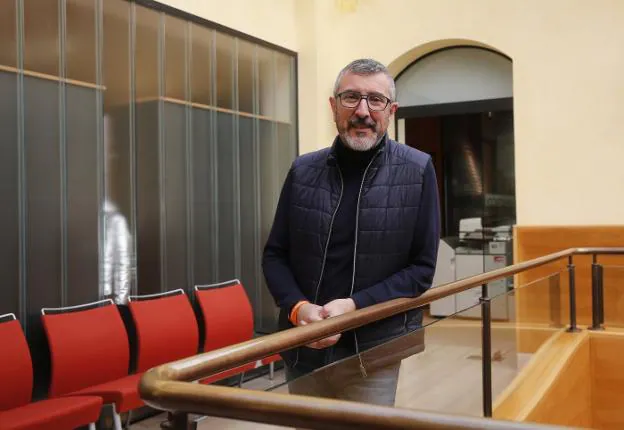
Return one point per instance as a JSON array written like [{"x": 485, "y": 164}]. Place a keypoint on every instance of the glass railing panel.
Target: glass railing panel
[
  {"x": 516, "y": 339},
  {"x": 443, "y": 355},
  {"x": 613, "y": 296},
  {"x": 538, "y": 310},
  {"x": 398, "y": 370},
  {"x": 449, "y": 367},
  {"x": 331, "y": 379}
]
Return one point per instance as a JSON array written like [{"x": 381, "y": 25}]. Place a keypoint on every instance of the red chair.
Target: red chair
[
  {"x": 228, "y": 320},
  {"x": 166, "y": 328},
  {"x": 90, "y": 355},
  {"x": 16, "y": 380}
]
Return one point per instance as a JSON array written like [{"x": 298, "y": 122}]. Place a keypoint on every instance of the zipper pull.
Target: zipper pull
[{"x": 362, "y": 368}]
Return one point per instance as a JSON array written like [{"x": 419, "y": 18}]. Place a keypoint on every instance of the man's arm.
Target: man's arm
[
  {"x": 277, "y": 272},
  {"x": 416, "y": 278}
]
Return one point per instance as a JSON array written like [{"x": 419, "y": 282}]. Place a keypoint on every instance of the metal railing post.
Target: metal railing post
[
  {"x": 486, "y": 347},
  {"x": 177, "y": 421},
  {"x": 571, "y": 272},
  {"x": 597, "y": 295}
]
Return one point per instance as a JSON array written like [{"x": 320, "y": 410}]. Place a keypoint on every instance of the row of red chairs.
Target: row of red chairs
[{"x": 90, "y": 353}]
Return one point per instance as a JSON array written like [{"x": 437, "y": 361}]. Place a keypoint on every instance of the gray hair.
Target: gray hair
[{"x": 366, "y": 66}]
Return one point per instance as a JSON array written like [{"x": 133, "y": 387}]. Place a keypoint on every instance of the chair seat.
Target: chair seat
[
  {"x": 58, "y": 413},
  {"x": 227, "y": 373},
  {"x": 271, "y": 359},
  {"x": 241, "y": 369},
  {"x": 123, "y": 392}
]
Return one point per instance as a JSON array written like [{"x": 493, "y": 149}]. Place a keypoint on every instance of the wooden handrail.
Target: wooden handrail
[{"x": 162, "y": 386}]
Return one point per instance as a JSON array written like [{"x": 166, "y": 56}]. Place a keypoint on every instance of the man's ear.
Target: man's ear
[{"x": 332, "y": 103}]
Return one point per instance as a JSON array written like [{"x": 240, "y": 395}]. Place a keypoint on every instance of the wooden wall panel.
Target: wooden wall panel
[
  {"x": 555, "y": 387},
  {"x": 537, "y": 305},
  {"x": 607, "y": 350},
  {"x": 568, "y": 400}
]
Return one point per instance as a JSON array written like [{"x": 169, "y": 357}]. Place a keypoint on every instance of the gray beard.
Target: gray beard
[{"x": 361, "y": 144}]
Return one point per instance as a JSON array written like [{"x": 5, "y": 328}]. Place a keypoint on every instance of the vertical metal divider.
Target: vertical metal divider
[
  {"x": 22, "y": 178},
  {"x": 62, "y": 118},
  {"x": 486, "y": 345},
  {"x": 133, "y": 148},
  {"x": 258, "y": 284},
  {"x": 161, "y": 151},
  {"x": 101, "y": 156},
  {"x": 213, "y": 159},
  {"x": 236, "y": 172},
  {"x": 190, "y": 228},
  {"x": 181, "y": 419},
  {"x": 275, "y": 147}
]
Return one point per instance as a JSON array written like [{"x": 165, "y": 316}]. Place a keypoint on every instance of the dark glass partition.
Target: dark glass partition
[{"x": 132, "y": 157}]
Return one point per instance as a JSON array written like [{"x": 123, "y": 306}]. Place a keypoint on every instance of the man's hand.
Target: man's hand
[
  {"x": 331, "y": 309},
  {"x": 310, "y": 313},
  {"x": 338, "y": 307}
]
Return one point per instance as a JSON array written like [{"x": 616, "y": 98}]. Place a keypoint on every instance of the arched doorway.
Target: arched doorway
[{"x": 457, "y": 105}]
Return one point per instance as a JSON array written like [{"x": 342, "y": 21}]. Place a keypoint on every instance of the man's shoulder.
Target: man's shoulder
[
  {"x": 316, "y": 158},
  {"x": 407, "y": 155}
]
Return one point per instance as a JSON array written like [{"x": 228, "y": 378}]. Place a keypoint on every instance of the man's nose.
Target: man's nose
[{"x": 362, "y": 108}]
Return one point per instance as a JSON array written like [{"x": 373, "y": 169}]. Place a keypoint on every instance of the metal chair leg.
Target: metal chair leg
[
  {"x": 116, "y": 419},
  {"x": 271, "y": 370},
  {"x": 127, "y": 423}
]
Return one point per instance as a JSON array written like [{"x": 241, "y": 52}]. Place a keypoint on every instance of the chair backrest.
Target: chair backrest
[
  {"x": 88, "y": 345},
  {"x": 166, "y": 328},
  {"x": 16, "y": 373},
  {"x": 227, "y": 314}
]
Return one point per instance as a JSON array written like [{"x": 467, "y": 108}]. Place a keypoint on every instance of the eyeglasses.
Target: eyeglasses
[{"x": 375, "y": 102}]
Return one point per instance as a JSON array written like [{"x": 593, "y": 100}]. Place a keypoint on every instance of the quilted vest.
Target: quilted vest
[{"x": 387, "y": 215}]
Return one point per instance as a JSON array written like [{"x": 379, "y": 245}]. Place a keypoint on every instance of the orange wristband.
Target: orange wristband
[{"x": 295, "y": 310}]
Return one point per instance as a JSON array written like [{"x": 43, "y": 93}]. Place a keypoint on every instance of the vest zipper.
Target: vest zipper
[
  {"x": 357, "y": 224},
  {"x": 331, "y": 226}
]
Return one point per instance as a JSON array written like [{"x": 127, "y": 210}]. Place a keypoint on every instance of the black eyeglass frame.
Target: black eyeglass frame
[{"x": 363, "y": 96}]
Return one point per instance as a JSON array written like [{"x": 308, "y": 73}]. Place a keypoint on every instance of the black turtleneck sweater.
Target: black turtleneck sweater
[{"x": 338, "y": 273}]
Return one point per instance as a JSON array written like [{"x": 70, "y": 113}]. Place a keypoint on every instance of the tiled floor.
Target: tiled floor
[{"x": 446, "y": 377}]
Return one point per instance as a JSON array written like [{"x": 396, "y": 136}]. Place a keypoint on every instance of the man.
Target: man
[{"x": 356, "y": 224}]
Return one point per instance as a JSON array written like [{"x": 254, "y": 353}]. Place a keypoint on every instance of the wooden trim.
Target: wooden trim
[
  {"x": 45, "y": 76},
  {"x": 161, "y": 387}
]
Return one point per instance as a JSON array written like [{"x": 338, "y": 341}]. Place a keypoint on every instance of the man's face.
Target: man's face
[{"x": 359, "y": 126}]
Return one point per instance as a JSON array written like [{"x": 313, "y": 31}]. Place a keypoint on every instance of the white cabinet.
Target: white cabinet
[{"x": 466, "y": 303}]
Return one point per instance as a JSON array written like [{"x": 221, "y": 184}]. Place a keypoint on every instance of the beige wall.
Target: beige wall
[
  {"x": 568, "y": 65},
  {"x": 269, "y": 20}
]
